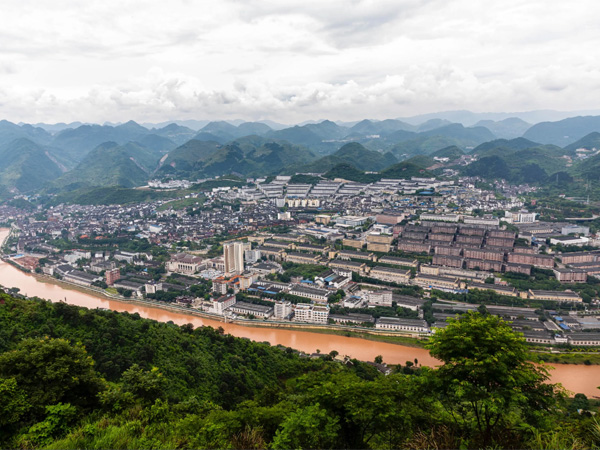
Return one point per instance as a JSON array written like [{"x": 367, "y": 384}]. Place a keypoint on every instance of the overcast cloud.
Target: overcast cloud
[{"x": 293, "y": 60}]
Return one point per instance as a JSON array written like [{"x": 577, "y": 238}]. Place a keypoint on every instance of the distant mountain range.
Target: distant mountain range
[{"x": 66, "y": 157}]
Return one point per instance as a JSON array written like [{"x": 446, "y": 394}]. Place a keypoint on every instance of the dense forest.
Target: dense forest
[{"x": 74, "y": 378}]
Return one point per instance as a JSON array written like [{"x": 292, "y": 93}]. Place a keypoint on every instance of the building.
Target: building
[
  {"x": 353, "y": 243},
  {"x": 349, "y": 254},
  {"x": 487, "y": 220},
  {"x": 579, "y": 257},
  {"x": 428, "y": 282},
  {"x": 380, "y": 239},
  {"x": 282, "y": 310},
  {"x": 448, "y": 261},
  {"x": 302, "y": 258},
  {"x": 570, "y": 275},
  {"x": 185, "y": 264},
  {"x": 377, "y": 247},
  {"x": 390, "y": 218},
  {"x": 398, "y": 324},
  {"x": 352, "y": 266},
  {"x": 400, "y": 262},
  {"x": 304, "y": 312},
  {"x": 441, "y": 217},
  {"x": 585, "y": 339},
  {"x": 112, "y": 275},
  {"x": 414, "y": 246},
  {"x": 500, "y": 290},
  {"x": 570, "y": 240},
  {"x": 220, "y": 285},
  {"x": 406, "y": 301},
  {"x": 379, "y": 298},
  {"x": 233, "y": 255},
  {"x": 252, "y": 256},
  {"x": 247, "y": 279},
  {"x": 250, "y": 309},
  {"x": 356, "y": 319},
  {"x": 219, "y": 305},
  {"x": 390, "y": 274},
  {"x": 81, "y": 278},
  {"x": 554, "y": 296},
  {"x": 575, "y": 229},
  {"x": 545, "y": 261},
  {"x": 316, "y": 294}
]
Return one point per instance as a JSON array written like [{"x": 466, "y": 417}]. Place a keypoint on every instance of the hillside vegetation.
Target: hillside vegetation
[{"x": 74, "y": 378}]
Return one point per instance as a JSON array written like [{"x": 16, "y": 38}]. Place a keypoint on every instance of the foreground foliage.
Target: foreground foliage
[{"x": 74, "y": 378}]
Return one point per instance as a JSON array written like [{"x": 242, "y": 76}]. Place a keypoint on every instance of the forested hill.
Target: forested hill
[{"x": 74, "y": 378}]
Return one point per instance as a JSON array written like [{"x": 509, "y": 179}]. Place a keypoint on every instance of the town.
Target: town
[{"x": 395, "y": 256}]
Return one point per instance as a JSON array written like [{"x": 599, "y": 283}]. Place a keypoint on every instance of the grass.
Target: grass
[
  {"x": 567, "y": 358},
  {"x": 182, "y": 203}
]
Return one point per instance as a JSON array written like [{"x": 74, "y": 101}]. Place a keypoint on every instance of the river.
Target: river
[{"x": 584, "y": 379}]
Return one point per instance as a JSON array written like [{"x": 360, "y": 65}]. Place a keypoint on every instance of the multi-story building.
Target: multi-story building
[
  {"x": 353, "y": 266},
  {"x": 501, "y": 290},
  {"x": 353, "y": 243},
  {"x": 414, "y": 246},
  {"x": 349, "y": 254},
  {"x": 316, "y": 294},
  {"x": 570, "y": 275},
  {"x": 398, "y": 324},
  {"x": 379, "y": 298},
  {"x": 401, "y": 262},
  {"x": 390, "y": 274},
  {"x": 555, "y": 296},
  {"x": 474, "y": 241},
  {"x": 518, "y": 268},
  {"x": 377, "y": 247},
  {"x": 304, "y": 312},
  {"x": 545, "y": 261},
  {"x": 440, "y": 217},
  {"x": 448, "y": 261},
  {"x": 250, "y": 309},
  {"x": 112, "y": 275},
  {"x": 185, "y": 264},
  {"x": 233, "y": 255},
  {"x": 447, "y": 250},
  {"x": 435, "y": 282},
  {"x": 579, "y": 257},
  {"x": 282, "y": 310},
  {"x": 390, "y": 218},
  {"x": 482, "y": 264},
  {"x": 219, "y": 305},
  {"x": 302, "y": 258}
]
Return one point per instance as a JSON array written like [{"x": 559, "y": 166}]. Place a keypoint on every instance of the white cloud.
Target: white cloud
[{"x": 294, "y": 60}]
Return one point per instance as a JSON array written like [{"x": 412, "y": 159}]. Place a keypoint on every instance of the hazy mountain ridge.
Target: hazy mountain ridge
[{"x": 255, "y": 148}]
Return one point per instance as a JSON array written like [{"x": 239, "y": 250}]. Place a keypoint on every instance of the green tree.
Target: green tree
[
  {"x": 309, "y": 427},
  {"x": 50, "y": 371},
  {"x": 13, "y": 403},
  {"x": 59, "y": 419},
  {"x": 145, "y": 385},
  {"x": 486, "y": 382}
]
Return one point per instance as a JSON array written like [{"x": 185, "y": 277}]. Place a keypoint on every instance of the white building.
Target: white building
[
  {"x": 305, "y": 312},
  {"x": 233, "y": 255},
  {"x": 282, "y": 310},
  {"x": 219, "y": 305}
]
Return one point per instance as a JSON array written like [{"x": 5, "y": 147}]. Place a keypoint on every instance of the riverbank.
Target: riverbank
[
  {"x": 401, "y": 339},
  {"x": 338, "y": 330}
]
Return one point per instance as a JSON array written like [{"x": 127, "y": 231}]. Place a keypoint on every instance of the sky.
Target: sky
[{"x": 291, "y": 60}]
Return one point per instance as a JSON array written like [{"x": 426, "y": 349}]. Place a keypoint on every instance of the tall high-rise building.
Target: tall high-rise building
[{"x": 233, "y": 254}]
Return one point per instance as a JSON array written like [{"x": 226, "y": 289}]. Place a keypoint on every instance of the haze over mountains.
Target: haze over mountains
[{"x": 67, "y": 157}]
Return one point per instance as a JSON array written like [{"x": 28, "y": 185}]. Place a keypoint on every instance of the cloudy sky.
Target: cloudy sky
[{"x": 293, "y": 60}]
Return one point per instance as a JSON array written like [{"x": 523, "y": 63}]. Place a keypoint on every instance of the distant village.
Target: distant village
[{"x": 397, "y": 256}]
